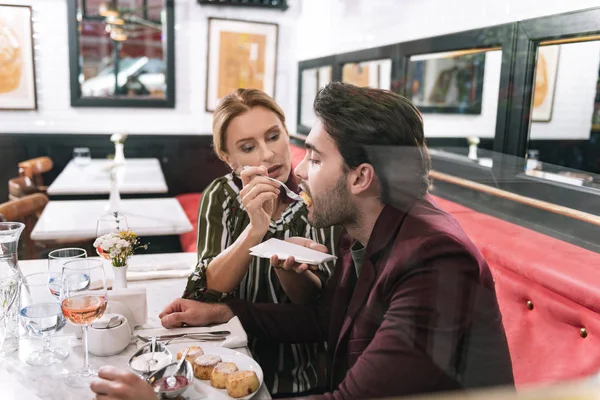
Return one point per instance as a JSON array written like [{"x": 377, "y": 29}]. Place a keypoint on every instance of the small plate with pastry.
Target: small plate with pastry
[{"x": 219, "y": 372}]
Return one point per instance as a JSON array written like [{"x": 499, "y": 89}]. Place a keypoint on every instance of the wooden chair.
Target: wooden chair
[
  {"x": 34, "y": 168},
  {"x": 27, "y": 210},
  {"x": 20, "y": 187}
]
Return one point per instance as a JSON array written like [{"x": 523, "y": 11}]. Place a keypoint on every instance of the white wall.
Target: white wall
[
  {"x": 55, "y": 114},
  {"x": 337, "y": 26}
]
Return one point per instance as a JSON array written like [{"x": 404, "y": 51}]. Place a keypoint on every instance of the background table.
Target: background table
[
  {"x": 76, "y": 219},
  {"x": 138, "y": 175},
  {"x": 47, "y": 382}
]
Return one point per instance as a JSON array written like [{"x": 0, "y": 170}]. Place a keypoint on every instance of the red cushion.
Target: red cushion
[
  {"x": 560, "y": 279},
  {"x": 190, "y": 203}
]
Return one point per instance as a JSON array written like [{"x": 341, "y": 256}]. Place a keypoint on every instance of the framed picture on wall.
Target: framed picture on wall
[
  {"x": 17, "y": 69},
  {"x": 241, "y": 54},
  {"x": 447, "y": 83},
  {"x": 545, "y": 82}
]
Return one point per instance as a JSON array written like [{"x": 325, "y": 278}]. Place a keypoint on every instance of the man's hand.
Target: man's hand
[
  {"x": 194, "y": 313},
  {"x": 118, "y": 384},
  {"x": 290, "y": 263}
]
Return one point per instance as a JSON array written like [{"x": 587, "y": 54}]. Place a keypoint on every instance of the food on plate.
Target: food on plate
[
  {"x": 204, "y": 365},
  {"x": 242, "y": 383},
  {"x": 220, "y": 373},
  {"x": 306, "y": 198},
  {"x": 193, "y": 353},
  {"x": 163, "y": 385}
]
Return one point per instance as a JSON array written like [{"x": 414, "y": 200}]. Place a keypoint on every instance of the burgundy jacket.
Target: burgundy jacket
[{"x": 422, "y": 317}]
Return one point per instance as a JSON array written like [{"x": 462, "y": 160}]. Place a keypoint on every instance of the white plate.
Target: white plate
[{"x": 202, "y": 388}]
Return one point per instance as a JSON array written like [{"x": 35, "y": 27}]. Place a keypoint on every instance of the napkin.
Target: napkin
[
  {"x": 148, "y": 267},
  {"x": 149, "y": 275},
  {"x": 237, "y": 338},
  {"x": 134, "y": 299},
  {"x": 285, "y": 249}
]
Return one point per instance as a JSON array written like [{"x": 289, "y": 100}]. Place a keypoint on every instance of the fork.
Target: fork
[{"x": 289, "y": 193}]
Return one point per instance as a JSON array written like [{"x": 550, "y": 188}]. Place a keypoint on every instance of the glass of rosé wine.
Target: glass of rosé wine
[{"x": 83, "y": 300}]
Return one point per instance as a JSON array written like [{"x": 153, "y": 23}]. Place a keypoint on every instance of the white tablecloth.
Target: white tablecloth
[{"x": 18, "y": 380}]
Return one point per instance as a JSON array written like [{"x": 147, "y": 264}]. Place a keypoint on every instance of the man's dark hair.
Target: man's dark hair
[{"x": 381, "y": 128}]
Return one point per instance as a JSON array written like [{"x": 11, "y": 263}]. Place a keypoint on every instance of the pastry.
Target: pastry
[
  {"x": 204, "y": 365},
  {"x": 306, "y": 198},
  {"x": 193, "y": 353},
  {"x": 220, "y": 373},
  {"x": 11, "y": 64},
  {"x": 242, "y": 383}
]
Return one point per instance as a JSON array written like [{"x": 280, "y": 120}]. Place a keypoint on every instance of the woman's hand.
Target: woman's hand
[{"x": 259, "y": 197}]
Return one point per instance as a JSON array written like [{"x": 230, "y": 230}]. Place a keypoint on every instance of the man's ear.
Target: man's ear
[{"x": 362, "y": 178}]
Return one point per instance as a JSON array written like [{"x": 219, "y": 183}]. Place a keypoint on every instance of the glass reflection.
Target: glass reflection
[
  {"x": 564, "y": 134},
  {"x": 122, "y": 49},
  {"x": 376, "y": 74}
]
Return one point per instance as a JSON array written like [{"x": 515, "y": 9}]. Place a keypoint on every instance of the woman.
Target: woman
[{"x": 243, "y": 209}]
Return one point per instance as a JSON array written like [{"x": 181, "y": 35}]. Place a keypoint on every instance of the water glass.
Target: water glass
[
  {"x": 83, "y": 300},
  {"x": 82, "y": 156},
  {"x": 41, "y": 316}
]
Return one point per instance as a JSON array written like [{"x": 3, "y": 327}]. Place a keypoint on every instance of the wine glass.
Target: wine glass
[
  {"x": 83, "y": 300},
  {"x": 111, "y": 223},
  {"x": 56, "y": 261},
  {"x": 41, "y": 315}
]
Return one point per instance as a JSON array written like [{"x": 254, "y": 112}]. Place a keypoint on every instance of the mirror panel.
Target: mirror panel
[
  {"x": 376, "y": 74},
  {"x": 123, "y": 52}
]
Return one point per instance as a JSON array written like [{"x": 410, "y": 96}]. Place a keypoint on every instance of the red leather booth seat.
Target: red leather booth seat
[
  {"x": 549, "y": 294},
  {"x": 190, "y": 203},
  {"x": 548, "y": 291}
]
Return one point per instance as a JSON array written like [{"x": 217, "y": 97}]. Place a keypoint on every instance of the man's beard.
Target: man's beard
[{"x": 333, "y": 207}]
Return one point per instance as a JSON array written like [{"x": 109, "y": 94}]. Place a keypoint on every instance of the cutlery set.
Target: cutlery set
[{"x": 215, "y": 336}]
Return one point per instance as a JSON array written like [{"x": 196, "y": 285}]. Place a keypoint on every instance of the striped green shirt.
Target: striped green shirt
[{"x": 222, "y": 218}]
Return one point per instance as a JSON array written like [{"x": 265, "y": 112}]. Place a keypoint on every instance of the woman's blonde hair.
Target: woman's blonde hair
[{"x": 235, "y": 104}]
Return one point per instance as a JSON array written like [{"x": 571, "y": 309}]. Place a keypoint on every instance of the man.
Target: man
[{"x": 411, "y": 307}]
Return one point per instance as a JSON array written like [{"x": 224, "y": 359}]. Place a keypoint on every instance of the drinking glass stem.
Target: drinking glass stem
[
  {"x": 46, "y": 347},
  {"x": 86, "y": 362}
]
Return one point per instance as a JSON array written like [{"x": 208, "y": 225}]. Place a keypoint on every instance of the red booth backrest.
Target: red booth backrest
[{"x": 549, "y": 294}]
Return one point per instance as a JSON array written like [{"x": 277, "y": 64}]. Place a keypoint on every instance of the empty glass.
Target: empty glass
[
  {"x": 83, "y": 300},
  {"x": 82, "y": 156},
  {"x": 111, "y": 223},
  {"x": 56, "y": 261},
  {"x": 41, "y": 315}
]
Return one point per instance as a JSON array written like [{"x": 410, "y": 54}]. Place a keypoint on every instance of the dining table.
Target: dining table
[
  {"x": 136, "y": 176},
  {"x": 18, "y": 380}
]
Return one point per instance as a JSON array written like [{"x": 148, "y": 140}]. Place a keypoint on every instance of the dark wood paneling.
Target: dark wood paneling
[{"x": 188, "y": 161}]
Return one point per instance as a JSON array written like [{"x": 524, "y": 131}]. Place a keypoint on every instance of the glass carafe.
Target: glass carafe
[{"x": 9, "y": 287}]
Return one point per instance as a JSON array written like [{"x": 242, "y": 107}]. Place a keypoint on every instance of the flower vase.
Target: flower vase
[
  {"x": 120, "y": 277},
  {"x": 119, "y": 154},
  {"x": 114, "y": 199}
]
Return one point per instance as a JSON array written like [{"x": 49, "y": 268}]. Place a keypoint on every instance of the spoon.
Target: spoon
[{"x": 172, "y": 381}]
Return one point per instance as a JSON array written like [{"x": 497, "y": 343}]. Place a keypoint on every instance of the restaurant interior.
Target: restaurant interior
[{"x": 106, "y": 119}]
